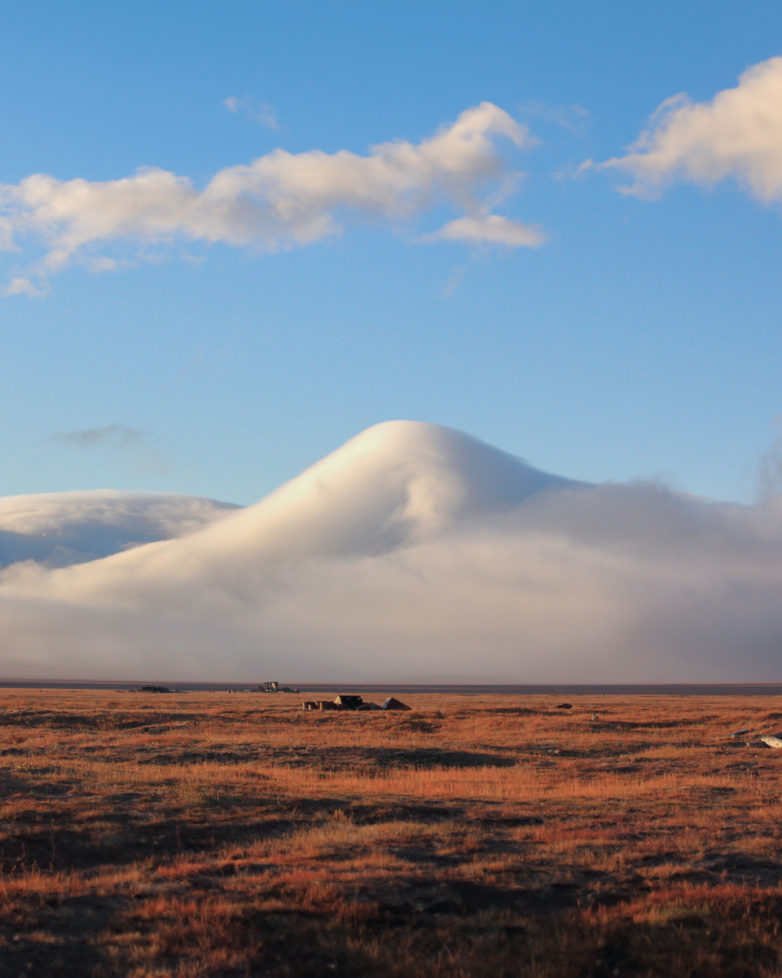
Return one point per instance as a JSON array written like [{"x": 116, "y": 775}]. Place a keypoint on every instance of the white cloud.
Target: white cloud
[
  {"x": 25, "y": 286},
  {"x": 6, "y": 234},
  {"x": 491, "y": 229},
  {"x": 259, "y": 111},
  {"x": 279, "y": 201},
  {"x": 737, "y": 135}
]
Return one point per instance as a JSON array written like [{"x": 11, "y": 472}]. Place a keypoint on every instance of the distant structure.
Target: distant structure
[{"x": 275, "y": 688}]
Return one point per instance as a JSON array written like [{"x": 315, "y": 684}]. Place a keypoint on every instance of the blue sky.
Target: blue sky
[{"x": 641, "y": 339}]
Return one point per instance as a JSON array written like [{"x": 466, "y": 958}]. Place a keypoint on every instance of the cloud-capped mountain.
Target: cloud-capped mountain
[
  {"x": 395, "y": 484},
  {"x": 413, "y": 550}
]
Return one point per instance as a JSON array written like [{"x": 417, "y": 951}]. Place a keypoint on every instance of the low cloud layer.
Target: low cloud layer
[
  {"x": 738, "y": 135},
  {"x": 416, "y": 551},
  {"x": 60, "y": 529},
  {"x": 280, "y": 200}
]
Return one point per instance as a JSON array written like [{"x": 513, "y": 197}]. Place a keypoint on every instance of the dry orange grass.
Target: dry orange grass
[{"x": 208, "y": 834}]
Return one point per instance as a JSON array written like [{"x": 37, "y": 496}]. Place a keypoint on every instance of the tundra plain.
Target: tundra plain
[{"x": 202, "y": 834}]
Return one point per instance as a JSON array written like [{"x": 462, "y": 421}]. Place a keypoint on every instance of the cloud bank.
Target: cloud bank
[
  {"x": 737, "y": 135},
  {"x": 59, "y": 529},
  {"x": 415, "y": 550},
  {"x": 280, "y": 200}
]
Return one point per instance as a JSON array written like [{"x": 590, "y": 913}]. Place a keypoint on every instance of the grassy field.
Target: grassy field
[{"x": 214, "y": 834}]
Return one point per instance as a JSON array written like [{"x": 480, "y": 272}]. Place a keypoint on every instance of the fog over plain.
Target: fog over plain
[{"x": 412, "y": 551}]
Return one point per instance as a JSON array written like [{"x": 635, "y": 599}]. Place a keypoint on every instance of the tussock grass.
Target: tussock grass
[{"x": 199, "y": 835}]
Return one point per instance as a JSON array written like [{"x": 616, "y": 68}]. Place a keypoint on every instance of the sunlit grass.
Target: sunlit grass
[{"x": 207, "y": 834}]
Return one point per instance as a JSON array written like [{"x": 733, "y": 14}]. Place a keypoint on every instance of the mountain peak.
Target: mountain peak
[{"x": 394, "y": 484}]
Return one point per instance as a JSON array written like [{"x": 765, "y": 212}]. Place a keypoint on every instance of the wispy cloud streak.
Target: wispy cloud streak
[
  {"x": 258, "y": 111},
  {"x": 113, "y": 435},
  {"x": 144, "y": 450}
]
